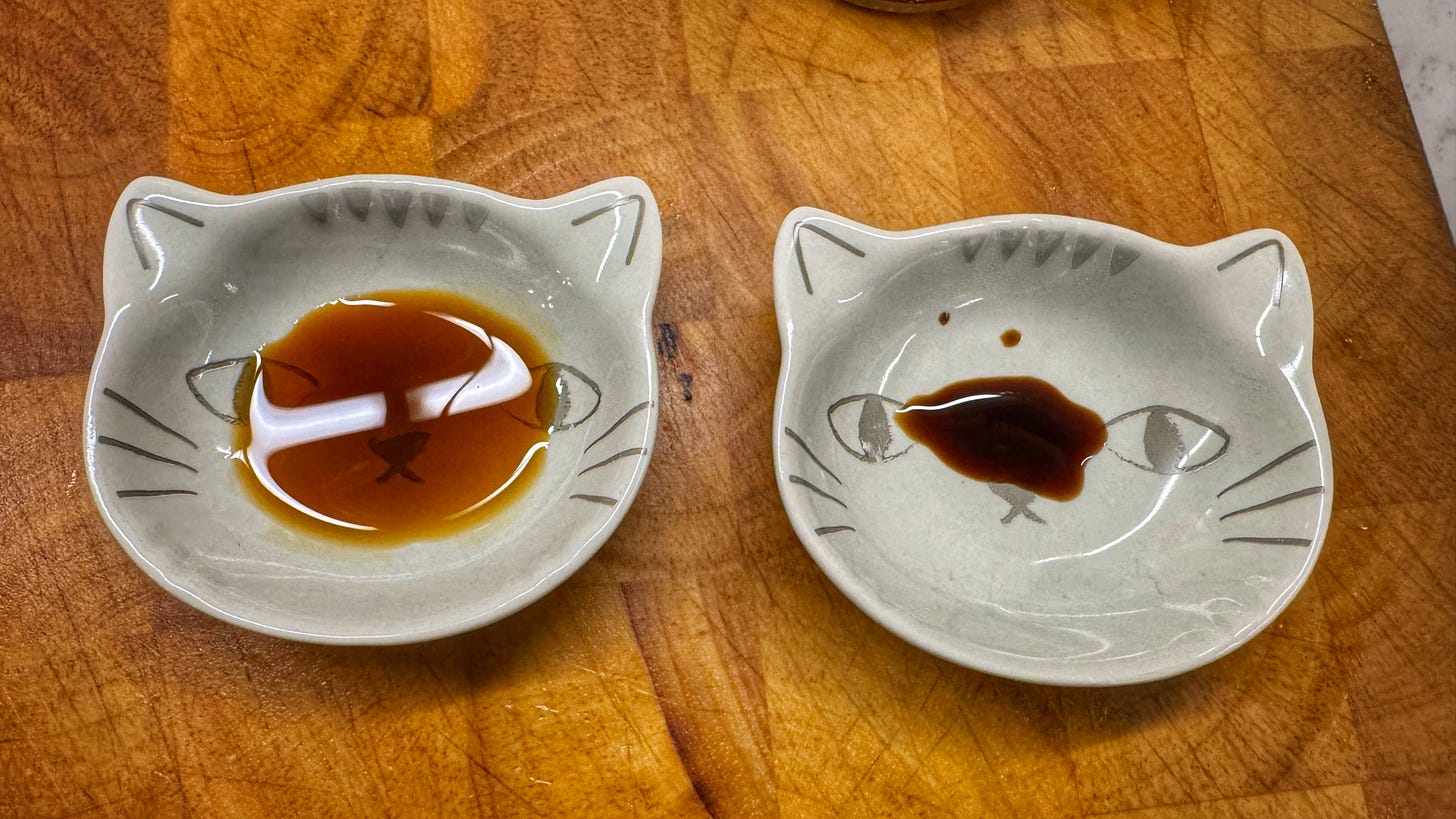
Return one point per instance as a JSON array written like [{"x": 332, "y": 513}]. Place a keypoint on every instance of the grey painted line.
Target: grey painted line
[
  {"x": 799, "y": 250},
  {"x": 794, "y": 436},
  {"x": 152, "y": 493},
  {"x": 602, "y": 499},
  {"x": 613, "y": 428},
  {"x": 1303, "y": 493},
  {"x": 136, "y": 450},
  {"x": 1275, "y": 541},
  {"x": 1266, "y": 467},
  {"x": 636, "y": 228},
  {"x": 626, "y": 453},
  {"x": 146, "y": 416},
  {"x": 1276, "y": 244},
  {"x": 133, "y": 205},
  {"x": 816, "y": 490}
]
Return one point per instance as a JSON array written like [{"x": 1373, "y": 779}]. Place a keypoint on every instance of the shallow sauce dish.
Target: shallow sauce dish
[
  {"x": 1199, "y": 519},
  {"x": 196, "y": 281}
]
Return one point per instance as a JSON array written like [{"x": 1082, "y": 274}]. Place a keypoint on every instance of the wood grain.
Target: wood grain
[
  {"x": 701, "y": 664},
  {"x": 1118, "y": 142},
  {"x": 744, "y": 45},
  {"x": 83, "y": 110},
  {"x": 1026, "y": 34},
  {"x": 1219, "y": 27}
]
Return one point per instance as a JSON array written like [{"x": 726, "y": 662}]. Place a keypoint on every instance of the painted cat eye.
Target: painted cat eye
[
  {"x": 861, "y": 424},
  {"x": 565, "y": 397},
  {"x": 1166, "y": 440}
]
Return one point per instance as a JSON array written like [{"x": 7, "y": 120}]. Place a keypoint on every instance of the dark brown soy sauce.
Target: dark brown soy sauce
[{"x": 1011, "y": 429}]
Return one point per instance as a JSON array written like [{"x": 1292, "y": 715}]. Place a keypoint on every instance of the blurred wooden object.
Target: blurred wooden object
[{"x": 701, "y": 663}]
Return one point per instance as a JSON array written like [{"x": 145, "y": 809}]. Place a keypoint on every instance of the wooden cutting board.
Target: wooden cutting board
[{"x": 701, "y": 663}]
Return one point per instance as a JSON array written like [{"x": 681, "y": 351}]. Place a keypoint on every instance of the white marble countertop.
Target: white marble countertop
[{"x": 1423, "y": 36}]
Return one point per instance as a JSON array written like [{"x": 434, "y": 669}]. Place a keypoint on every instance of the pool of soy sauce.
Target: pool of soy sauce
[
  {"x": 1008, "y": 429},
  {"x": 393, "y": 416}
]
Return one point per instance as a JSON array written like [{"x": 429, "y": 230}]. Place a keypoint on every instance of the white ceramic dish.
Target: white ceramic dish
[
  {"x": 194, "y": 278},
  {"x": 1199, "y": 520}
]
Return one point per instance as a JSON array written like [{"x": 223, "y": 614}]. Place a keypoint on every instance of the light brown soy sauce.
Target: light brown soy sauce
[{"x": 408, "y": 479}]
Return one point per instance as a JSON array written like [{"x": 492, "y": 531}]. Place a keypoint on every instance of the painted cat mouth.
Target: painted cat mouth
[{"x": 1020, "y": 501}]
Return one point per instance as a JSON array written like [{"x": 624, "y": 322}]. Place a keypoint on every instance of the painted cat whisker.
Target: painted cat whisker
[
  {"x": 136, "y": 450},
  {"x": 1296, "y": 495},
  {"x": 1307, "y": 445},
  {"x": 1273, "y": 541},
  {"x": 602, "y": 499},
  {"x": 626, "y": 453},
  {"x": 619, "y": 422},
  {"x": 146, "y": 416},
  {"x": 816, "y": 490},
  {"x": 152, "y": 493},
  {"x": 794, "y": 436}
]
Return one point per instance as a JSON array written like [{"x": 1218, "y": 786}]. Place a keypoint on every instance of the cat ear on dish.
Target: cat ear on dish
[
  {"x": 619, "y": 218},
  {"x": 156, "y": 220},
  {"x": 1261, "y": 288},
  {"x": 833, "y": 261}
]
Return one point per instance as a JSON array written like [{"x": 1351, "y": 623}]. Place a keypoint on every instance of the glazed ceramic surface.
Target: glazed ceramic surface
[
  {"x": 1199, "y": 520},
  {"x": 196, "y": 281}
]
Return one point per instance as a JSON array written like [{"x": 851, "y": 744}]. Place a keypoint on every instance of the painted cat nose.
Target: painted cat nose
[
  {"x": 398, "y": 452},
  {"x": 1020, "y": 501}
]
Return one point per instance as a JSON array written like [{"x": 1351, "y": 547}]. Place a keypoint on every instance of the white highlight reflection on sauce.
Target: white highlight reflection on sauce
[{"x": 274, "y": 428}]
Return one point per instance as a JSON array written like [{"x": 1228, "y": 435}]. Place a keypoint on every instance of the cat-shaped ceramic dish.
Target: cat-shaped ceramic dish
[
  {"x": 195, "y": 282},
  {"x": 1199, "y": 520}
]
